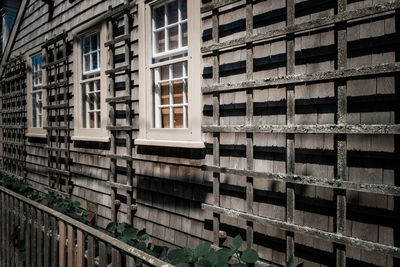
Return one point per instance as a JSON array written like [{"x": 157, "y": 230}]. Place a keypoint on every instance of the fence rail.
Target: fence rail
[{"x": 50, "y": 238}]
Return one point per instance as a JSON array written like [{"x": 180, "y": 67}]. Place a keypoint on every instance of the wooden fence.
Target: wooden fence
[{"x": 54, "y": 239}]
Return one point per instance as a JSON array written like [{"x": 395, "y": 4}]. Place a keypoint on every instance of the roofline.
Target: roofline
[{"x": 13, "y": 34}]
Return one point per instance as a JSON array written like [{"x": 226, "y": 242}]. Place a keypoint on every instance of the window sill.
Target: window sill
[
  {"x": 37, "y": 135},
  {"x": 168, "y": 143},
  {"x": 91, "y": 139}
]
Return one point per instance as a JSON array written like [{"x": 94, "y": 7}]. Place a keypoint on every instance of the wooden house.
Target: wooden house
[{"x": 199, "y": 120}]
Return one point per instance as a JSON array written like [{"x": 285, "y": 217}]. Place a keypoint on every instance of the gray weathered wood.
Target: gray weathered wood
[
  {"x": 333, "y": 237},
  {"x": 62, "y": 254},
  {"x": 91, "y": 252},
  {"x": 80, "y": 250},
  {"x": 71, "y": 246}
]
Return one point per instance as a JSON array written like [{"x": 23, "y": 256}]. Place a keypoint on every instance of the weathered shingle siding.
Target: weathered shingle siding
[{"x": 171, "y": 186}]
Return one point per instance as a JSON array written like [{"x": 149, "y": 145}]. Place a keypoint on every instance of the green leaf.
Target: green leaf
[
  {"x": 111, "y": 227},
  {"x": 202, "y": 263},
  {"x": 201, "y": 250},
  {"x": 236, "y": 242},
  {"x": 177, "y": 256},
  {"x": 239, "y": 265},
  {"x": 130, "y": 233},
  {"x": 182, "y": 264},
  {"x": 249, "y": 256},
  {"x": 212, "y": 258}
]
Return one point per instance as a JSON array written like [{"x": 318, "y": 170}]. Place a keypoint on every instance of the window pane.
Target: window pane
[
  {"x": 173, "y": 38},
  {"x": 98, "y": 100},
  {"x": 165, "y": 118},
  {"x": 159, "y": 17},
  {"x": 164, "y": 93},
  {"x": 184, "y": 34},
  {"x": 172, "y": 12},
  {"x": 40, "y": 123},
  {"x": 177, "y": 92},
  {"x": 94, "y": 42},
  {"x": 91, "y": 101},
  {"x": 95, "y": 61},
  {"x": 178, "y": 117},
  {"x": 159, "y": 42},
  {"x": 34, "y": 111},
  {"x": 86, "y": 64},
  {"x": 86, "y": 45},
  {"x": 183, "y": 9},
  {"x": 91, "y": 118},
  {"x": 164, "y": 73},
  {"x": 177, "y": 70},
  {"x": 98, "y": 117}
]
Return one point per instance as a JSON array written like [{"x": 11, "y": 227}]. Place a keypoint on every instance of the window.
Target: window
[
  {"x": 35, "y": 97},
  {"x": 37, "y": 106},
  {"x": 169, "y": 57},
  {"x": 90, "y": 85},
  {"x": 90, "y": 81}
]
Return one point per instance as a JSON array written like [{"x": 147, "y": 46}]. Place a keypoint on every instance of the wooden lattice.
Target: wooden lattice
[
  {"x": 120, "y": 102},
  {"x": 58, "y": 117},
  {"x": 340, "y": 129},
  {"x": 13, "y": 116}
]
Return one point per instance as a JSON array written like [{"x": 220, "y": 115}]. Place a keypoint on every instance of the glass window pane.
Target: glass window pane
[
  {"x": 95, "y": 61},
  {"x": 177, "y": 92},
  {"x": 173, "y": 38},
  {"x": 86, "y": 65},
  {"x": 178, "y": 117},
  {"x": 86, "y": 45},
  {"x": 164, "y": 93},
  {"x": 94, "y": 42},
  {"x": 184, "y": 34},
  {"x": 164, "y": 73},
  {"x": 98, "y": 117},
  {"x": 40, "y": 123},
  {"x": 91, "y": 101},
  {"x": 91, "y": 119},
  {"x": 183, "y": 9},
  {"x": 172, "y": 12},
  {"x": 159, "y": 41},
  {"x": 98, "y": 100},
  {"x": 159, "y": 17},
  {"x": 177, "y": 70},
  {"x": 165, "y": 118},
  {"x": 34, "y": 111}
]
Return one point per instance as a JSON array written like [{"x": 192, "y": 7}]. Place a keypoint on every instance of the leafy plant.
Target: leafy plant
[{"x": 205, "y": 256}]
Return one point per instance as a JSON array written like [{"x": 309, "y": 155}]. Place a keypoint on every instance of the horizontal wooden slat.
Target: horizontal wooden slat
[
  {"x": 56, "y": 84},
  {"x": 58, "y": 171},
  {"x": 119, "y": 186},
  {"x": 337, "y": 238},
  {"x": 118, "y": 99},
  {"x": 117, "y": 40},
  {"x": 217, "y": 4},
  {"x": 310, "y": 180},
  {"x": 299, "y": 79},
  {"x": 119, "y": 69},
  {"x": 307, "y": 129},
  {"x": 55, "y": 39},
  {"x": 57, "y": 106},
  {"x": 119, "y": 128},
  {"x": 58, "y": 61},
  {"x": 307, "y": 26}
]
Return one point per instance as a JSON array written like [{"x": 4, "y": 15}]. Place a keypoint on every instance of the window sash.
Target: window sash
[
  {"x": 37, "y": 72},
  {"x": 93, "y": 52},
  {"x": 87, "y": 111},
  {"x": 180, "y": 48},
  {"x": 37, "y": 109}
]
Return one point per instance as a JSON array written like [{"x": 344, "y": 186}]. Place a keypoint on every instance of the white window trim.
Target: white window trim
[
  {"x": 191, "y": 136},
  {"x": 34, "y": 131},
  {"x": 81, "y": 133}
]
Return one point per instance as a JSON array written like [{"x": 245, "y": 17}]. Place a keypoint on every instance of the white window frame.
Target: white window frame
[
  {"x": 173, "y": 137},
  {"x": 81, "y": 132},
  {"x": 35, "y": 89}
]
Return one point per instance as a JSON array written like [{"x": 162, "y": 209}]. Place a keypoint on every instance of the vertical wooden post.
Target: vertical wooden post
[
  {"x": 46, "y": 255},
  {"x": 216, "y": 120},
  {"x": 80, "y": 259},
  {"x": 341, "y": 140},
  {"x": 61, "y": 251},
  {"x": 249, "y": 121},
  {"x": 91, "y": 248},
  {"x": 39, "y": 232},
  {"x": 71, "y": 246},
  {"x": 290, "y": 148}
]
